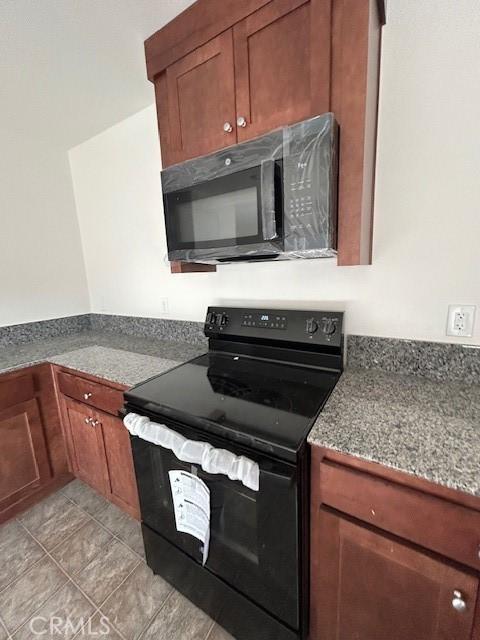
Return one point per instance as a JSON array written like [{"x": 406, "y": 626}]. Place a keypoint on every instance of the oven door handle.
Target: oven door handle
[{"x": 211, "y": 460}]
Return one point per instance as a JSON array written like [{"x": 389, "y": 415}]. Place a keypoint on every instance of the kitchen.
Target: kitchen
[{"x": 319, "y": 410}]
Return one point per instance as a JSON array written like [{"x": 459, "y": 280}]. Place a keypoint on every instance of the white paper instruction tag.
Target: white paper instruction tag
[{"x": 191, "y": 503}]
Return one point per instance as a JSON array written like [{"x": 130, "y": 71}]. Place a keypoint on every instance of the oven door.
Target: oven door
[
  {"x": 254, "y": 535},
  {"x": 232, "y": 216}
]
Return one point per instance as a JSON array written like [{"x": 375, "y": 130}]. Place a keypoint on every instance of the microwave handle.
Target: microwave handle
[{"x": 270, "y": 199}]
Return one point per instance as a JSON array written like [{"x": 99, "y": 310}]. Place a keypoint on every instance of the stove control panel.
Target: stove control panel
[
  {"x": 313, "y": 327},
  {"x": 265, "y": 320}
]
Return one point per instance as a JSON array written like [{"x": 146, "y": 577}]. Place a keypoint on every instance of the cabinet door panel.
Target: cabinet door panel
[
  {"x": 282, "y": 64},
  {"x": 88, "y": 453},
  {"x": 121, "y": 474},
  {"x": 201, "y": 98},
  {"x": 368, "y": 586},
  {"x": 23, "y": 461}
]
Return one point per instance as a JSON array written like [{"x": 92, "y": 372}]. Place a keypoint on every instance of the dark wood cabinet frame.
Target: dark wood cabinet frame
[{"x": 348, "y": 86}]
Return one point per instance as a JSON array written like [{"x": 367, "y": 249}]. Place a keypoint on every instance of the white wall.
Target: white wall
[
  {"x": 427, "y": 218},
  {"x": 42, "y": 273}
]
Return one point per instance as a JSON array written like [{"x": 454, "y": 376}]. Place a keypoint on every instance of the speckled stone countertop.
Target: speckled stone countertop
[
  {"x": 119, "y": 358},
  {"x": 427, "y": 428},
  {"x": 115, "y": 365}
]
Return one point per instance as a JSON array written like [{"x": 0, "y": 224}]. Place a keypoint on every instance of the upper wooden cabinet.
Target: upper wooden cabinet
[
  {"x": 226, "y": 71},
  {"x": 271, "y": 69},
  {"x": 200, "y": 106},
  {"x": 282, "y": 65}
]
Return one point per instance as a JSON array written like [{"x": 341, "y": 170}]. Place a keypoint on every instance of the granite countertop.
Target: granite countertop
[
  {"x": 427, "y": 428},
  {"x": 120, "y": 358}
]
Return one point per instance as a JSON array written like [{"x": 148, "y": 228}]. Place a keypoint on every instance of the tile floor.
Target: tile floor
[{"x": 73, "y": 566}]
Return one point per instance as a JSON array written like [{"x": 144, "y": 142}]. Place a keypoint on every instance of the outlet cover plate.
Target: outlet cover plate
[
  {"x": 163, "y": 305},
  {"x": 460, "y": 320}
]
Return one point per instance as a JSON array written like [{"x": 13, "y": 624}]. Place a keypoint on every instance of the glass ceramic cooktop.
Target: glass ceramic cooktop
[{"x": 272, "y": 402}]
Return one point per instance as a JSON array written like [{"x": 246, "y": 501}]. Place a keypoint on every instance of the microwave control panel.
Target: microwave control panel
[
  {"x": 309, "y": 185},
  {"x": 308, "y": 327}
]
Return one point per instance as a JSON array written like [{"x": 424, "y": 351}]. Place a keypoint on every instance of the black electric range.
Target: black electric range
[{"x": 256, "y": 395}]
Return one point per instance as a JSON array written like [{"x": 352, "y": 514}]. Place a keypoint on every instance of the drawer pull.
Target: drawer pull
[
  {"x": 458, "y": 603},
  {"x": 95, "y": 423},
  {"x": 88, "y": 420},
  {"x": 87, "y": 396}
]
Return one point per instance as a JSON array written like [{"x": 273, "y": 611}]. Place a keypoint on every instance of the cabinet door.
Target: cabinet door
[
  {"x": 367, "y": 586},
  {"x": 87, "y": 445},
  {"x": 122, "y": 484},
  {"x": 201, "y": 100},
  {"x": 282, "y": 64},
  {"x": 24, "y": 464}
]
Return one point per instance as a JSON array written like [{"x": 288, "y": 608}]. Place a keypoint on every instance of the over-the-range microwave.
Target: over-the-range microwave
[{"x": 270, "y": 198}]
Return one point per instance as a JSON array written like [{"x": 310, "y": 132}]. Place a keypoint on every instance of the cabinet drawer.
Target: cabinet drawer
[
  {"x": 436, "y": 524},
  {"x": 90, "y": 393},
  {"x": 16, "y": 390}
]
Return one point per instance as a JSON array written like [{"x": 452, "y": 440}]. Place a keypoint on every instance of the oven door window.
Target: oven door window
[
  {"x": 225, "y": 211},
  {"x": 253, "y": 535}
]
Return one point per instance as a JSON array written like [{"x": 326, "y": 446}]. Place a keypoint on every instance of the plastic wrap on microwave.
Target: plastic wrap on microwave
[
  {"x": 310, "y": 164},
  {"x": 297, "y": 169}
]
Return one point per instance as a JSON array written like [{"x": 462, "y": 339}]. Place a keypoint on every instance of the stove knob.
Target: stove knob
[
  {"x": 329, "y": 326},
  {"x": 311, "y": 326},
  {"x": 223, "y": 320},
  {"x": 211, "y": 317}
]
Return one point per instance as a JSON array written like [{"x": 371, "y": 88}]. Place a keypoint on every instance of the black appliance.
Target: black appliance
[
  {"x": 269, "y": 198},
  {"x": 256, "y": 393}
]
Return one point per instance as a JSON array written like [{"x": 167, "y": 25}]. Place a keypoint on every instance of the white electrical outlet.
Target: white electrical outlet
[
  {"x": 460, "y": 321},
  {"x": 163, "y": 305}
]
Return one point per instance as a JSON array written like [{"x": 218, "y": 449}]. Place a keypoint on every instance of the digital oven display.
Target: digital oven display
[{"x": 264, "y": 320}]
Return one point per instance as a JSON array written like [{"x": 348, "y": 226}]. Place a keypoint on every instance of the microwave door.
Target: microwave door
[{"x": 228, "y": 217}]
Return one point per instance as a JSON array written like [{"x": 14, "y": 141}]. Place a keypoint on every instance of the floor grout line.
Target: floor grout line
[
  {"x": 154, "y": 617},
  {"x": 72, "y": 578},
  {"x": 37, "y": 609},
  {"x": 4, "y": 626},
  {"x": 209, "y": 632},
  {"x": 22, "y": 573},
  {"x": 118, "y": 586},
  {"x": 69, "y": 579},
  {"x": 104, "y": 527}
]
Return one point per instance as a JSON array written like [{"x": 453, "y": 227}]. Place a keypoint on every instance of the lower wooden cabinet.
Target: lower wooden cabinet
[
  {"x": 369, "y": 586},
  {"x": 99, "y": 444},
  {"x": 393, "y": 557},
  {"x": 33, "y": 457},
  {"x": 121, "y": 482},
  {"x": 87, "y": 450},
  {"x": 54, "y": 422},
  {"x": 24, "y": 465}
]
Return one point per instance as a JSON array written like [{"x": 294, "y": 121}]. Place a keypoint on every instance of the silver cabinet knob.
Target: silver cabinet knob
[
  {"x": 241, "y": 121},
  {"x": 88, "y": 420},
  {"x": 95, "y": 423},
  {"x": 87, "y": 396},
  {"x": 227, "y": 127},
  {"x": 458, "y": 603}
]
